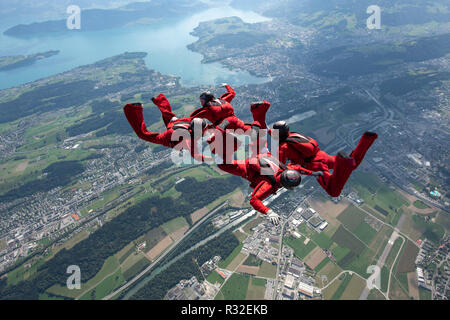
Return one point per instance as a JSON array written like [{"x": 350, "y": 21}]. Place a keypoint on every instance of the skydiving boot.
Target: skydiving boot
[
  {"x": 343, "y": 168},
  {"x": 364, "y": 144},
  {"x": 259, "y": 110},
  {"x": 164, "y": 106}
]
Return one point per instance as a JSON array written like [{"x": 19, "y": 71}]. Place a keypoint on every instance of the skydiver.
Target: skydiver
[
  {"x": 304, "y": 152},
  {"x": 229, "y": 143},
  {"x": 188, "y": 141},
  {"x": 219, "y": 111},
  {"x": 266, "y": 175}
]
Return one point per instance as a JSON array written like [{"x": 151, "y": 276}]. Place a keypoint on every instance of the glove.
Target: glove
[
  {"x": 273, "y": 217},
  {"x": 224, "y": 85},
  {"x": 317, "y": 174}
]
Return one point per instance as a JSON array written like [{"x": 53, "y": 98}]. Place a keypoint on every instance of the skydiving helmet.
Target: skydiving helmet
[
  {"x": 290, "y": 179},
  {"x": 198, "y": 123},
  {"x": 283, "y": 129}
]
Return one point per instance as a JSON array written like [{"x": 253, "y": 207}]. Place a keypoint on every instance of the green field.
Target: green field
[
  {"x": 345, "y": 239},
  {"x": 322, "y": 240},
  {"x": 378, "y": 195},
  {"x": 136, "y": 267},
  {"x": 214, "y": 277},
  {"x": 174, "y": 225},
  {"x": 300, "y": 249},
  {"x": 321, "y": 264},
  {"x": 256, "y": 289},
  {"x": 339, "y": 252},
  {"x": 224, "y": 263},
  {"x": 384, "y": 278},
  {"x": 16, "y": 275},
  {"x": 351, "y": 217},
  {"x": 375, "y": 294},
  {"x": 105, "y": 287},
  {"x": 344, "y": 281},
  {"x": 259, "y": 282},
  {"x": 267, "y": 270},
  {"x": 252, "y": 260},
  {"x": 424, "y": 294},
  {"x": 365, "y": 232},
  {"x": 109, "y": 267},
  {"x": 420, "y": 205},
  {"x": 236, "y": 287}
]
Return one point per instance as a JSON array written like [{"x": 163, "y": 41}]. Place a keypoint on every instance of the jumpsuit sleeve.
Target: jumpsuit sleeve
[
  {"x": 282, "y": 153},
  {"x": 299, "y": 168},
  {"x": 200, "y": 113},
  {"x": 229, "y": 95},
  {"x": 261, "y": 191},
  {"x": 234, "y": 168},
  {"x": 134, "y": 115}
]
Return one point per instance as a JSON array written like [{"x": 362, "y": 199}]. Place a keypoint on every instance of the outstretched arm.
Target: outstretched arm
[
  {"x": 300, "y": 169},
  {"x": 229, "y": 95},
  {"x": 135, "y": 117},
  {"x": 261, "y": 191}
]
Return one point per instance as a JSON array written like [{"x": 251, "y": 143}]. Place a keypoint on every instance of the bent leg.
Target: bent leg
[
  {"x": 364, "y": 144},
  {"x": 334, "y": 183},
  {"x": 164, "y": 106},
  {"x": 259, "y": 110}
]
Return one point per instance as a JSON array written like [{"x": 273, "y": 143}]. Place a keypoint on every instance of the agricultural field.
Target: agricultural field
[
  {"x": 375, "y": 294},
  {"x": 252, "y": 260},
  {"x": 406, "y": 262},
  {"x": 267, "y": 270},
  {"x": 300, "y": 249},
  {"x": 214, "y": 277},
  {"x": 174, "y": 225},
  {"x": 326, "y": 274},
  {"x": 345, "y": 239},
  {"x": 256, "y": 289},
  {"x": 354, "y": 288},
  {"x": 224, "y": 264},
  {"x": 378, "y": 195},
  {"x": 236, "y": 287}
]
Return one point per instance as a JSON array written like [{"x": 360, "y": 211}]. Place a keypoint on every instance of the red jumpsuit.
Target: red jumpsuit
[
  {"x": 220, "y": 111},
  {"x": 264, "y": 183},
  {"x": 134, "y": 114},
  {"x": 259, "y": 111},
  {"x": 309, "y": 155}
]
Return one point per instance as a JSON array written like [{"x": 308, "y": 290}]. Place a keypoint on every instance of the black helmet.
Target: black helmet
[
  {"x": 283, "y": 128},
  {"x": 207, "y": 96},
  {"x": 198, "y": 123},
  {"x": 290, "y": 178}
]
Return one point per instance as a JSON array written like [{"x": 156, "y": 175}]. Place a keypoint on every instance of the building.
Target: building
[
  {"x": 307, "y": 214},
  {"x": 323, "y": 226},
  {"x": 289, "y": 282},
  {"x": 306, "y": 289}
]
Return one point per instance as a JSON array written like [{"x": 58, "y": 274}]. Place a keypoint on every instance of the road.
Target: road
[
  {"x": 381, "y": 260},
  {"x": 141, "y": 274}
]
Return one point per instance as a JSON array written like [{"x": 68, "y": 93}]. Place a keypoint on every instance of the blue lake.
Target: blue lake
[{"x": 165, "y": 44}]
